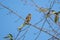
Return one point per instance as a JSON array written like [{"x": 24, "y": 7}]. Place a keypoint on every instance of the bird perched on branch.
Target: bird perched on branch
[
  {"x": 56, "y": 16},
  {"x": 9, "y": 36},
  {"x": 54, "y": 13},
  {"x": 27, "y": 20}
]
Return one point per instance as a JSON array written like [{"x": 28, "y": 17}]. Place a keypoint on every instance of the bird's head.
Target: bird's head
[
  {"x": 59, "y": 12},
  {"x": 53, "y": 12},
  {"x": 29, "y": 14}
]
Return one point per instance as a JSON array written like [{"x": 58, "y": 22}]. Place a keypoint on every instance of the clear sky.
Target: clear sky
[{"x": 8, "y": 23}]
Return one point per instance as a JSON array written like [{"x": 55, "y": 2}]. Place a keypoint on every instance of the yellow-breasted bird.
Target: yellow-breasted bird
[
  {"x": 27, "y": 20},
  {"x": 9, "y": 36},
  {"x": 56, "y": 16}
]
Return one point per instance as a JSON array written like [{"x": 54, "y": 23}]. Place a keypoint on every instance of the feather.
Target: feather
[{"x": 56, "y": 18}]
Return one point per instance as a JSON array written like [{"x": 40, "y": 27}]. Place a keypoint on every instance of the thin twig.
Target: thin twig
[
  {"x": 44, "y": 31},
  {"x": 11, "y": 11},
  {"x": 17, "y": 34},
  {"x": 39, "y": 21},
  {"x": 51, "y": 26},
  {"x": 24, "y": 33},
  {"x": 51, "y": 5},
  {"x": 40, "y": 30},
  {"x": 41, "y": 9}
]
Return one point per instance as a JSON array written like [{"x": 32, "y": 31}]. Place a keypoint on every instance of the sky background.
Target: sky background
[{"x": 9, "y": 22}]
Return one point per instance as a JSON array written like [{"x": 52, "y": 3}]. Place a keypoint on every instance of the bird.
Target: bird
[
  {"x": 44, "y": 10},
  {"x": 9, "y": 36},
  {"x": 56, "y": 13},
  {"x": 27, "y": 20},
  {"x": 56, "y": 16}
]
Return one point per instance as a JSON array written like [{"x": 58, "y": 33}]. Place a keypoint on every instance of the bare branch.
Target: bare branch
[
  {"x": 48, "y": 32},
  {"x": 11, "y": 11}
]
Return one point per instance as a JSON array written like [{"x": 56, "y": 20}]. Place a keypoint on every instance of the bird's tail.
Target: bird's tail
[{"x": 21, "y": 26}]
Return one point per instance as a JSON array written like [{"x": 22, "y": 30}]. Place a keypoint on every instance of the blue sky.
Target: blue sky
[{"x": 8, "y": 23}]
